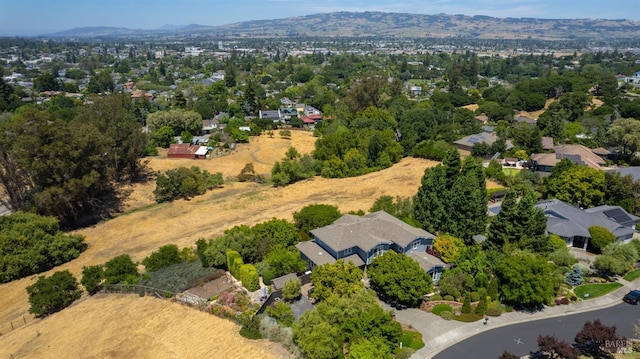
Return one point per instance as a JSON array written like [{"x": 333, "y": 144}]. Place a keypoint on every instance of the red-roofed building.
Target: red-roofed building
[{"x": 185, "y": 150}]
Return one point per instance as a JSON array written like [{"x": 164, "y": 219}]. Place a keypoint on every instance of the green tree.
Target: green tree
[
  {"x": 369, "y": 349},
  {"x": 600, "y": 238},
  {"x": 448, "y": 247},
  {"x": 165, "y": 256},
  {"x": 525, "y": 279},
  {"x": 579, "y": 185},
  {"x": 179, "y": 120},
  {"x": 466, "y": 305},
  {"x": 248, "y": 275},
  {"x": 315, "y": 216},
  {"x": 51, "y": 294},
  {"x": 322, "y": 332},
  {"x": 281, "y": 312},
  {"x": 624, "y": 134},
  {"x": 336, "y": 279},
  {"x": 164, "y": 136},
  {"x": 120, "y": 269},
  {"x": 593, "y": 338},
  {"x": 519, "y": 223},
  {"x": 284, "y": 261},
  {"x": 92, "y": 276},
  {"x": 272, "y": 234},
  {"x": 184, "y": 183},
  {"x": 291, "y": 289},
  {"x": 400, "y": 277},
  {"x": 617, "y": 258},
  {"x": 30, "y": 244}
]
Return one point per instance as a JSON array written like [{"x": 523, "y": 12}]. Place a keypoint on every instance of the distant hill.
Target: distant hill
[{"x": 364, "y": 24}]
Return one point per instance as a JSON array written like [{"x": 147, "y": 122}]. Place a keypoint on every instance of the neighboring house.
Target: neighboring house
[
  {"x": 186, "y": 150},
  {"x": 578, "y": 154},
  {"x": 273, "y": 115},
  {"x": 415, "y": 90},
  {"x": 285, "y": 101},
  {"x": 467, "y": 143},
  {"x": 634, "y": 171},
  {"x": 524, "y": 119},
  {"x": 209, "y": 126},
  {"x": 359, "y": 239},
  {"x": 547, "y": 143},
  {"x": 633, "y": 79},
  {"x": 482, "y": 118},
  {"x": 572, "y": 223}
]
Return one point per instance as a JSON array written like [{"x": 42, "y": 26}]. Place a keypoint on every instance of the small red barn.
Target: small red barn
[{"x": 183, "y": 150}]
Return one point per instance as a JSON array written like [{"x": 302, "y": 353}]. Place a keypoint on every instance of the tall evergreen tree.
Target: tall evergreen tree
[
  {"x": 429, "y": 203},
  {"x": 453, "y": 198},
  {"x": 520, "y": 223}
]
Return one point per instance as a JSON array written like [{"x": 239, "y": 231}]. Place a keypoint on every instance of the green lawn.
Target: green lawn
[
  {"x": 633, "y": 275},
  {"x": 411, "y": 339},
  {"x": 510, "y": 171},
  {"x": 595, "y": 290}
]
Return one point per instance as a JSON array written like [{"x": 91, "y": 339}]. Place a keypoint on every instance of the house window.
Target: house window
[
  {"x": 415, "y": 244},
  {"x": 378, "y": 252}
]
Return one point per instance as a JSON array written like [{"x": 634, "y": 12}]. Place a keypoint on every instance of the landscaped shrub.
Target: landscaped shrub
[
  {"x": 232, "y": 262},
  {"x": 449, "y": 298},
  {"x": 439, "y": 308},
  {"x": 248, "y": 275},
  {"x": 51, "y": 294},
  {"x": 446, "y": 315},
  {"x": 574, "y": 277},
  {"x": 281, "y": 312},
  {"x": 435, "y": 297},
  {"x": 466, "y": 306},
  {"x": 493, "y": 312},
  {"x": 120, "y": 269},
  {"x": 404, "y": 353},
  {"x": 564, "y": 301},
  {"x": 475, "y": 296},
  {"x": 165, "y": 256},
  {"x": 272, "y": 330},
  {"x": 250, "y": 326},
  {"x": 468, "y": 317}
]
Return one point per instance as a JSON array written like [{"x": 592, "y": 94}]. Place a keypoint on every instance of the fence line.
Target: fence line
[{"x": 14, "y": 324}]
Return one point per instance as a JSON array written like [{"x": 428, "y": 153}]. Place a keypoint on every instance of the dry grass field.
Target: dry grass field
[
  {"x": 126, "y": 326},
  {"x": 147, "y": 226}
]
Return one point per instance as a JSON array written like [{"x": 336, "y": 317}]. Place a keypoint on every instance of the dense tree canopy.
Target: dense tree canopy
[
  {"x": 315, "y": 216},
  {"x": 399, "y": 277},
  {"x": 519, "y": 224},
  {"x": 51, "y": 294},
  {"x": 179, "y": 120},
  {"x": 322, "y": 332},
  {"x": 63, "y": 168},
  {"x": 336, "y": 280},
  {"x": 525, "y": 279},
  {"x": 32, "y": 244},
  {"x": 453, "y": 198}
]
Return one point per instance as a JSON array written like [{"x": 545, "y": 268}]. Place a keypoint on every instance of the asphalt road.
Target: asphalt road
[{"x": 520, "y": 339}]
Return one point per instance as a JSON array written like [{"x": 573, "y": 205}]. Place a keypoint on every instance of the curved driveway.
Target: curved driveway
[{"x": 520, "y": 339}]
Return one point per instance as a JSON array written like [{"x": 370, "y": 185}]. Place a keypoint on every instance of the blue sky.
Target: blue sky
[{"x": 41, "y": 16}]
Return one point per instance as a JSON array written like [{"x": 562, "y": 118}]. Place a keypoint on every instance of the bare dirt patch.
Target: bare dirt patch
[{"x": 126, "y": 326}]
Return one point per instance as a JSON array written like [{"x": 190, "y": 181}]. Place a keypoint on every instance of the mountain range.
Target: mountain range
[{"x": 371, "y": 24}]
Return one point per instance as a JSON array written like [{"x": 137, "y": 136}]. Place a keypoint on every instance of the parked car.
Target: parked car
[{"x": 632, "y": 297}]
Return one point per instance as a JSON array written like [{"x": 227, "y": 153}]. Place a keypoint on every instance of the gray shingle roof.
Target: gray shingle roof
[
  {"x": 426, "y": 260},
  {"x": 279, "y": 282},
  {"x": 633, "y": 171},
  {"x": 368, "y": 231},
  {"x": 315, "y": 253},
  {"x": 566, "y": 220}
]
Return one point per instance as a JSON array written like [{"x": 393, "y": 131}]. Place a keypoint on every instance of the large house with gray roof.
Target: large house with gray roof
[
  {"x": 572, "y": 223},
  {"x": 359, "y": 239}
]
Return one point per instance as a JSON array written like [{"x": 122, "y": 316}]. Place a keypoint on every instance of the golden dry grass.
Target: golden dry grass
[
  {"x": 126, "y": 326},
  {"x": 536, "y": 114},
  {"x": 472, "y": 107},
  {"x": 141, "y": 231}
]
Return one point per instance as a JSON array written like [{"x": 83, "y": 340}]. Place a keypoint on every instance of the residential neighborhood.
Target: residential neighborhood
[{"x": 318, "y": 197}]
